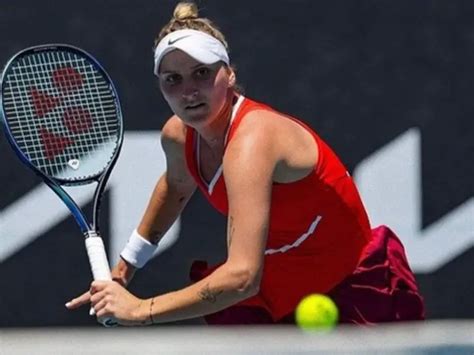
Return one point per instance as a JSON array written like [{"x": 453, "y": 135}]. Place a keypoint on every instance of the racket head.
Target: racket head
[{"x": 61, "y": 113}]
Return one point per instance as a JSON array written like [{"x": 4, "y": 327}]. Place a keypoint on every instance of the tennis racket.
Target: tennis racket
[{"x": 61, "y": 114}]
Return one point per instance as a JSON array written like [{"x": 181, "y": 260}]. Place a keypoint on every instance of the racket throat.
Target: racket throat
[{"x": 91, "y": 234}]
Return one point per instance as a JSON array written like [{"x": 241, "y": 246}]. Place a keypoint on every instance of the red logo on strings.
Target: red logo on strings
[
  {"x": 67, "y": 79},
  {"x": 43, "y": 103},
  {"x": 53, "y": 144},
  {"x": 77, "y": 120}
]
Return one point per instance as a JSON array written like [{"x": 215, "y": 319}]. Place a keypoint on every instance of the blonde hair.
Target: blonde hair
[{"x": 186, "y": 16}]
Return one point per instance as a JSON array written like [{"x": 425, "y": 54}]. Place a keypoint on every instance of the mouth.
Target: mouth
[{"x": 195, "y": 106}]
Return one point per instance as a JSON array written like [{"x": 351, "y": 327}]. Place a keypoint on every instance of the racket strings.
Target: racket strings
[{"x": 60, "y": 108}]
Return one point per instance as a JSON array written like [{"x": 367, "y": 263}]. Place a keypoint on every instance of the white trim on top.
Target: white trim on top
[
  {"x": 298, "y": 241},
  {"x": 218, "y": 173},
  {"x": 216, "y": 177}
]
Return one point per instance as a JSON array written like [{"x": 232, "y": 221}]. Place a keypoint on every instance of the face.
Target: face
[{"x": 195, "y": 92}]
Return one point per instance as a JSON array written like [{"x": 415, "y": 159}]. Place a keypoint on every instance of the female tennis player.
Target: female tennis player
[{"x": 296, "y": 224}]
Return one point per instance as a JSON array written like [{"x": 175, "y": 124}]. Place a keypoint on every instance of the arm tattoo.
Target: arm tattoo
[
  {"x": 206, "y": 294},
  {"x": 230, "y": 231}
]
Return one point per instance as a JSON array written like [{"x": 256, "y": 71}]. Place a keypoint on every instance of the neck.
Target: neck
[{"x": 214, "y": 133}]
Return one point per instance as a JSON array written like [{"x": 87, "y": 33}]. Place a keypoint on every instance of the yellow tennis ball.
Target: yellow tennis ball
[{"x": 316, "y": 312}]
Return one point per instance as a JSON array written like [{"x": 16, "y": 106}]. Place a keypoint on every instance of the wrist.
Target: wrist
[
  {"x": 150, "y": 311},
  {"x": 123, "y": 272},
  {"x": 138, "y": 250},
  {"x": 142, "y": 312}
]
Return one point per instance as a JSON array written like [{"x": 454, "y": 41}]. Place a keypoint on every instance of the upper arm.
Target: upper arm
[
  {"x": 173, "y": 139},
  {"x": 249, "y": 162}
]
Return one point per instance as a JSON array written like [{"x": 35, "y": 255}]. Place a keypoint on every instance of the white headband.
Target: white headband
[{"x": 199, "y": 45}]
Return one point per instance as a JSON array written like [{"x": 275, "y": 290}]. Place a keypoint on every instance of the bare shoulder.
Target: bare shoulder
[
  {"x": 258, "y": 120},
  {"x": 274, "y": 138},
  {"x": 173, "y": 134},
  {"x": 253, "y": 139},
  {"x": 264, "y": 128},
  {"x": 272, "y": 121},
  {"x": 280, "y": 129},
  {"x": 173, "y": 138},
  {"x": 257, "y": 126}
]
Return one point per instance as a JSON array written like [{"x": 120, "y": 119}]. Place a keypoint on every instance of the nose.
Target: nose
[{"x": 190, "y": 92}]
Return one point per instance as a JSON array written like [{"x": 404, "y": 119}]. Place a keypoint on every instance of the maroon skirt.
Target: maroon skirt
[{"x": 381, "y": 289}]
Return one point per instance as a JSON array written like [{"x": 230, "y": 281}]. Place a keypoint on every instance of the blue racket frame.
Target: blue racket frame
[{"x": 53, "y": 183}]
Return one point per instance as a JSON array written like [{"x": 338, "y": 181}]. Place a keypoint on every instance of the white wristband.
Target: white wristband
[{"x": 138, "y": 250}]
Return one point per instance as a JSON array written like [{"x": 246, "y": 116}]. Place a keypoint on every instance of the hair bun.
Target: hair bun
[{"x": 185, "y": 11}]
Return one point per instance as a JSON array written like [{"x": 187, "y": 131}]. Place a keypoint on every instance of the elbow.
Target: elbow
[{"x": 246, "y": 281}]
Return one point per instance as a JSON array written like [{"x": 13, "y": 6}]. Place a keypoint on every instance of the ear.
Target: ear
[{"x": 232, "y": 79}]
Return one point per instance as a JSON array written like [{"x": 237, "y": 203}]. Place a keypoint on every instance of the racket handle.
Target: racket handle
[
  {"x": 99, "y": 266},
  {"x": 97, "y": 257}
]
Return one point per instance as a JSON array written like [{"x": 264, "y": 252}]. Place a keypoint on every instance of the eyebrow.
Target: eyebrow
[{"x": 192, "y": 68}]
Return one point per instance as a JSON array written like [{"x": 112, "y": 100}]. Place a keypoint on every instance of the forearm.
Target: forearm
[
  {"x": 222, "y": 289},
  {"x": 165, "y": 205}
]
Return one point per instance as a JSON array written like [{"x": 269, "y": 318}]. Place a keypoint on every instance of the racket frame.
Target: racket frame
[
  {"x": 55, "y": 183},
  {"x": 94, "y": 244}
]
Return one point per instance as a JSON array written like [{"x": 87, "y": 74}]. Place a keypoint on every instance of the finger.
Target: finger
[
  {"x": 99, "y": 306},
  {"x": 79, "y": 301},
  {"x": 97, "y": 297},
  {"x": 97, "y": 286},
  {"x": 104, "y": 313}
]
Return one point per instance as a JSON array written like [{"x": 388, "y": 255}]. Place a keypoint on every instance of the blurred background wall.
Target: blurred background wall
[{"x": 388, "y": 84}]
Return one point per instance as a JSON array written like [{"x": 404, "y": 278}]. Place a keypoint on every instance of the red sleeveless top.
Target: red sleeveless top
[{"x": 318, "y": 225}]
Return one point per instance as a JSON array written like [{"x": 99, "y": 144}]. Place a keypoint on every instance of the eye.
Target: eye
[
  {"x": 203, "y": 72},
  {"x": 172, "y": 79}
]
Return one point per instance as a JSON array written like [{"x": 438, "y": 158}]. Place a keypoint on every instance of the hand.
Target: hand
[
  {"x": 109, "y": 299},
  {"x": 121, "y": 273}
]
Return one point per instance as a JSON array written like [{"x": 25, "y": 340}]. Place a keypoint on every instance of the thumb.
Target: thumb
[{"x": 79, "y": 301}]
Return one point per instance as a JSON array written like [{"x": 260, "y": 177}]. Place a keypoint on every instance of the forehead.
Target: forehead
[{"x": 177, "y": 60}]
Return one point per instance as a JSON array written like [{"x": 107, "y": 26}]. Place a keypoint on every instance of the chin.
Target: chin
[{"x": 196, "y": 117}]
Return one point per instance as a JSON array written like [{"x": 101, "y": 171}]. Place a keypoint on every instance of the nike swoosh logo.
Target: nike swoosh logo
[{"x": 170, "y": 41}]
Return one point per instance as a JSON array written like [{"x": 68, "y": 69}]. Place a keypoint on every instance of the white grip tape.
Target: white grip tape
[
  {"x": 100, "y": 269},
  {"x": 98, "y": 258}
]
